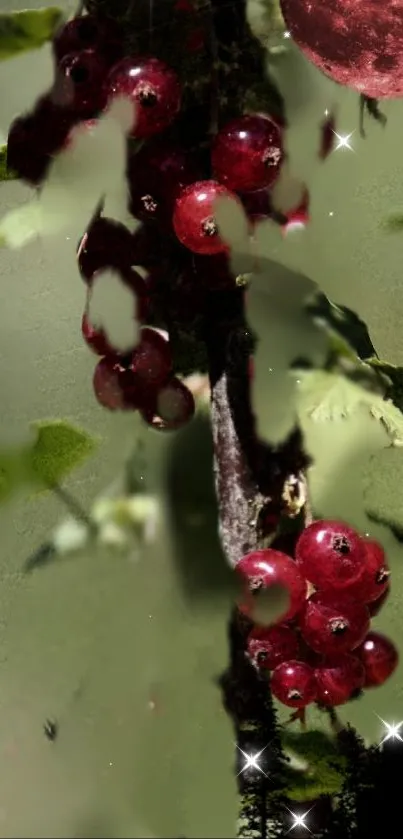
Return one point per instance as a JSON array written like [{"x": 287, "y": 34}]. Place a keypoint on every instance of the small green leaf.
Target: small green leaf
[
  {"x": 6, "y": 174},
  {"x": 59, "y": 448},
  {"x": 310, "y": 745},
  {"x": 325, "y": 765},
  {"x": 27, "y": 30},
  {"x": 303, "y": 787}
]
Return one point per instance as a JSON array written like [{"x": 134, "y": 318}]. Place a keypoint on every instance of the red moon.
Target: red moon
[{"x": 357, "y": 43}]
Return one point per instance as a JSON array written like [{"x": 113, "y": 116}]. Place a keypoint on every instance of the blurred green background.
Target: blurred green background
[{"x": 123, "y": 651}]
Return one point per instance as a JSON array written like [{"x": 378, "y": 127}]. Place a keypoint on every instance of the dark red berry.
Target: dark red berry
[
  {"x": 152, "y": 86},
  {"x": 88, "y": 32},
  {"x": 247, "y": 153},
  {"x": 258, "y": 204},
  {"x": 375, "y": 606},
  {"x": 262, "y": 570},
  {"x": 332, "y": 624},
  {"x": 330, "y": 554},
  {"x": 293, "y": 683},
  {"x": 379, "y": 657},
  {"x": 193, "y": 220},
  {"x": 269, "y": 646},
  {"x": 107, "y": 387},
  {"x": 156, "y": 175},
  {"x": 35, "y": 138},
  {"x": 172, "y": 407},
  {"x": 96, "y": 339},
  {"x": 375, "y": 576},
  {"x": 338, "y": 679},
  {"x": 79, "y": 83},
  {"x": 106, "y": 244},
  {"x": 151, "y": 361}
]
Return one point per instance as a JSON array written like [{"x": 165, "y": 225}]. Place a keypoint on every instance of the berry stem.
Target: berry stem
[{"x": 73, "y": 506}]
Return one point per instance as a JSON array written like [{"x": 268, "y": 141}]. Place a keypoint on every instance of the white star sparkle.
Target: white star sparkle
[
  {"x": 392, "y": 731},
  {"x": 299, "y": 820},
  {"x": 252, "y": 761},
  {"x": 343, "y": 141}
]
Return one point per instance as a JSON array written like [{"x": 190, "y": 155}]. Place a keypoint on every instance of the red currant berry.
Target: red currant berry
[
  {"x": 171, "y": 408},
  {"x": 106, "y": 244},
  {"x": 80, "y": 83},
  {"x": 156, "y": 175},
  {"x": 379, "y": 657},
  {"x": 96, "y": 339},
  {"x": 293, "y": 683},
  {"x": 374, "y": 579},
  {"x": 338, "y": 679},
  {"x": 193, "y": 220},
  {"x": 257, "y": 204},
  {"x": 375, "y": 606},
  {"x": 331, "y": 623},
  {"x": 88, "y": 32},
  {"x": 260, "y": 570},
  {"x": 330, "y": 554},
  {"x": 154, "y": 89},
  {"x": 106, "y": 383},
  {"x": 247, "y": 153},
  {"x": 151, "y": 362},
  {"x": 269, "y": 646},
  {"x": 34, "y": 138}
]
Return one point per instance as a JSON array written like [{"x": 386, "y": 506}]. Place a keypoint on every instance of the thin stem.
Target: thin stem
[{"x": 73, "y": 506}]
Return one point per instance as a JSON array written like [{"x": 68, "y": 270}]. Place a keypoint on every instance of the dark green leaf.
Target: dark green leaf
[
  {"x": 309, "y": 745},
  {"x": 5, "y": 173},
  {"x": 27, "y": 30},
  {"x": 58, "y": 449},
  {"x": 343, "y": 321},
  {"x": 325, "y": 770},
  {"x": 395, "y": 376}
]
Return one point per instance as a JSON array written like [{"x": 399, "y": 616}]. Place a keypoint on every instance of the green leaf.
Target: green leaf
[
  {"x": 395, "y": 376},
  {"x": 300, "y": 786},
  {"x": 6, "y": 174},
  {"x": 325, "y": 765},
  {"x": 309, "y": 745},
  {"x": 325, "y": 397},
  {"x": 27, "y": 30},
  {"x": 59, "y": 448},
  {"x": 345, "y": 322}
]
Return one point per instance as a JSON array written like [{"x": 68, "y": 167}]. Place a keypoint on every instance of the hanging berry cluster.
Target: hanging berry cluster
[
  {"x": 172, "y": 191},
  {"x": 321, "y": 649}
]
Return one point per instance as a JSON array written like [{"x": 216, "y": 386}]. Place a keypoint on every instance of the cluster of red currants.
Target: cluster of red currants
[
  {"x": 321, "y": 649},
  {"x": 168, "y": 188}
]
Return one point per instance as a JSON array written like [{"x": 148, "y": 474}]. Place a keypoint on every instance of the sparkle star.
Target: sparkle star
[
  {"x": 299, "y": 820},
  {"x": 252, "y": 761},
  {"x": 392, "y": 731},
  {"x": 343, "y": 141}
]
